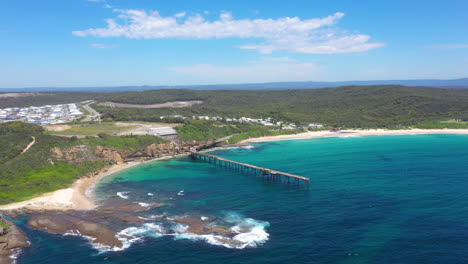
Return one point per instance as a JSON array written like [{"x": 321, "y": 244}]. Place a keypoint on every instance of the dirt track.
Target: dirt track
[{"x": 175, "y": 104}]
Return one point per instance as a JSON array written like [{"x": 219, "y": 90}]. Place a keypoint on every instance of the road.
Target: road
[{"x": 93, "y": 114}]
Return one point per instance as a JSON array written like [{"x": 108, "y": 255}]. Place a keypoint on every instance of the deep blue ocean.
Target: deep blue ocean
[{"x": 371, "y": 199}]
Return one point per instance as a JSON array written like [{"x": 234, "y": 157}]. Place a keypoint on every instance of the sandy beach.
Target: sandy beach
[
  {"x": 79, "y": 196},
  {"x": 355, "y": 132}
]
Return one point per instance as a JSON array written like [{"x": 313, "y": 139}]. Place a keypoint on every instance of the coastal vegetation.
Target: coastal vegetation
[
  {"x": 38, "y": 170},
  {"x": 130, "y": 142},
  {"x": 3, "y": 225},
  {"x": 204, "y": 130},
  {"x": 442, "y": 124}
]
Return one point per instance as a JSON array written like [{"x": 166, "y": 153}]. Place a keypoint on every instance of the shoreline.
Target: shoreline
[
  {"x": 80, "y": 195},
  {"x": 354, "y": 132}
]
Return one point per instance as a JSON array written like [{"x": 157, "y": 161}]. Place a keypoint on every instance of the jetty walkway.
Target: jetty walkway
[{"x": 272, "y": 175}]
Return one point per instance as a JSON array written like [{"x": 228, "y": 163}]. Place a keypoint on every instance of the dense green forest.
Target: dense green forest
[
  {"x": 351, "y": 106},
  {"x": 40, "y": 99},
  {"x": 36, "y": 171}
]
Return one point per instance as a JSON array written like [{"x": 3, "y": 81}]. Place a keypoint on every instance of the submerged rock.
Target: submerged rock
[
  {"x": 117, "y": 205},
  {"x": 97, "y": 225},
  {"x": 59, "y": 223}
]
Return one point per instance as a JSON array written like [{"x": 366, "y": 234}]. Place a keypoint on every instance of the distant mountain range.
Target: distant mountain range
[{"x": 456, "y": 83}]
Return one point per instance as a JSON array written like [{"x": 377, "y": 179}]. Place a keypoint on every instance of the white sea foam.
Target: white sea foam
[
  {"x": 129, "y": 236},
  {"x": 15, "y": 255},
  {"x": 180, "y": 193},
  {"x": 150, "y": 194},
  {"x": 99, "y": 247},
  {"x": 72, "y": 233},
  {"x": 250, "y": 233},
  {"x": 144, "y": 204},
  {"x": 123, "y": 195},
  {"x": 152, "y": 217},
  {"x": 204, "y": 218}
]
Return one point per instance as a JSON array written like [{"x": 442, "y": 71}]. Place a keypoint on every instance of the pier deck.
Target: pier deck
[{"x": 265, "y": 172}]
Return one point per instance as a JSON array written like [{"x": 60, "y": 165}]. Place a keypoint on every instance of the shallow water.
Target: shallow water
[{"x": 372, "y": 199}]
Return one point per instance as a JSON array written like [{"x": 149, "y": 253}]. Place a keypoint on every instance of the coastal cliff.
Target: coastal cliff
[{"x": 82, "y": 153}]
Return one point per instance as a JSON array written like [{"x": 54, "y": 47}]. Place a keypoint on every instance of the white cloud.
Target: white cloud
[
  {"x": 292, "y": 34},
  {"x": 449, "y": 46},
  {"x": 104, "y": 46},
  {"x": 263, "y": 70},
  {"x": 181, "y": 14}
]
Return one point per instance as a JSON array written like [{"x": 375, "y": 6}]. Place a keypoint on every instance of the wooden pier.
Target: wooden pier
[{"x": 269, "y": 174}]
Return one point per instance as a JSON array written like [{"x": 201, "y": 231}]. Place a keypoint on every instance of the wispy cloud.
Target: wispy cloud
[
  {"x": 181, "y": 14},
  {"x": 291, "y": 34},
  {"x": 448, "y": 46},
  {"x": 263, "y": 70},
  {"x": 104, "y": 46},
  {"x": 106, "y": 5}
]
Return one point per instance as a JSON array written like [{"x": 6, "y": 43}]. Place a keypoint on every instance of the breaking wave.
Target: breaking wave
[
  {"x": 123, "y": 195},
  {"x": 350, "y": 136}
]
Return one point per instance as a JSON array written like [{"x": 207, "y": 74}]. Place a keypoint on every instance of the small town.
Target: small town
[{"x": 43, "y": 115}]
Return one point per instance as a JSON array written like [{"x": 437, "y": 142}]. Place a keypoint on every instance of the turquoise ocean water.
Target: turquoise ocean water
[{"x": 372, "y": 199}]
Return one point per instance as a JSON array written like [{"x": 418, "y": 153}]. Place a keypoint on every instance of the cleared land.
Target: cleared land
[
  {"x": 110, "y": 128},
  {"x": 88, "y": 129},
  {"x": 175, "y": 104},
  {"x": 15, "y": 95}
]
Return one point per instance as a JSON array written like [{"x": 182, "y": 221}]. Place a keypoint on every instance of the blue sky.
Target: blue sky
[{"x": 151, "y": 42}]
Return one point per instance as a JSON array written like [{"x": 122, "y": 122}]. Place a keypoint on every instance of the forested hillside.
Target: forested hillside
[
  {"x": 40, "y": 99},
  {"x": 351, "y": 106}
]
